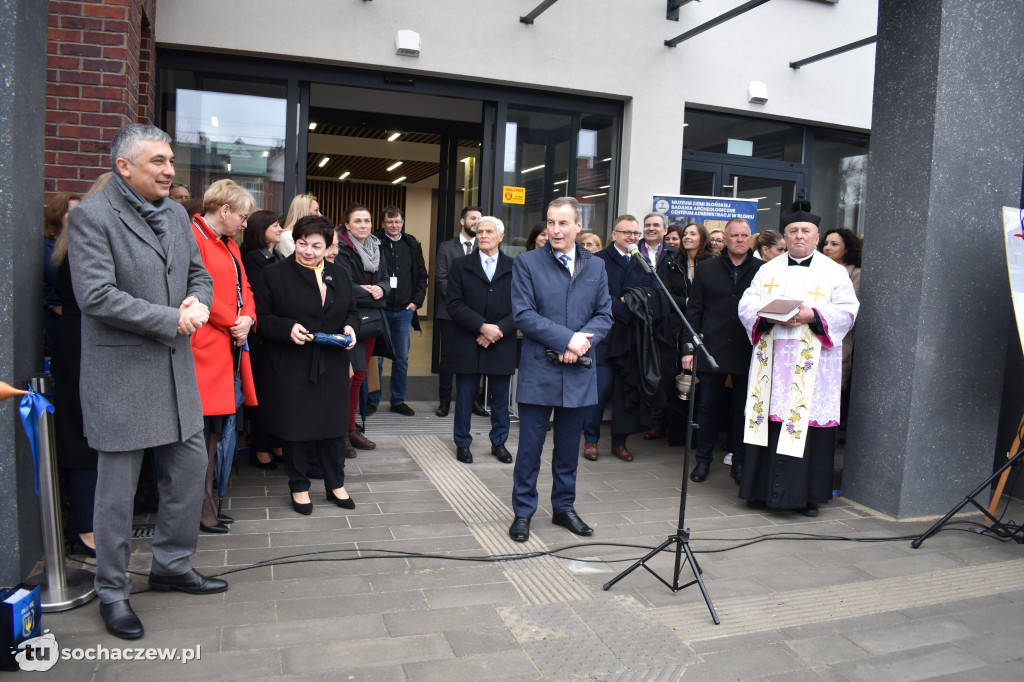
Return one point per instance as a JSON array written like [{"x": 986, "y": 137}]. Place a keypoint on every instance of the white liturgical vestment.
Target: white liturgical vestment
[{"x": 825, "y": 286}]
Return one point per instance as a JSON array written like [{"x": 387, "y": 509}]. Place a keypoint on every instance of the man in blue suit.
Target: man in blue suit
[
  {"x": 623, "y": 273},
  {"x": 561, "y": 303}
]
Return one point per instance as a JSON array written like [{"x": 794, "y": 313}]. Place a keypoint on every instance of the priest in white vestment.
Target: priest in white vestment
[{"x": 793, "y": 393}]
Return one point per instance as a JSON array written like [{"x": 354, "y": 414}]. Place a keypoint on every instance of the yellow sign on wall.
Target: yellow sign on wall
[{"x": 513, "y": 195}]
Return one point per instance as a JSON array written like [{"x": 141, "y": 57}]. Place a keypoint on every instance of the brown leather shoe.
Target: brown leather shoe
[
  {"x": 655, "y": 433},
  {"x": 622, "y": 452},
  {"x": 590, "y": 451},
  {"x": 360, "y": 441}
]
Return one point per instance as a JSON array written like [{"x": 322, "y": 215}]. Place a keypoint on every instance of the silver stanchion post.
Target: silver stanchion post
[{"x": 63, "y": 588}]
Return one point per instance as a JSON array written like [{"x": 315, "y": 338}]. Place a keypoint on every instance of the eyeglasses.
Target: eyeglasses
[
  {"x": 243, "y": 216},
  {"x": 634, "y": 235},
  {"x": 717, "y": 241}
]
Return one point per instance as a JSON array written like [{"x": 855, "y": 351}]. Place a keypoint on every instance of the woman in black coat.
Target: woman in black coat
[
  {"x": 359, "y": 256},
  {"x": 307, "y": 384},
  {"x": 262, "y": 234}
]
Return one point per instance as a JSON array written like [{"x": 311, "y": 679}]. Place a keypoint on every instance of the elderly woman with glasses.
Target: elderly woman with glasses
[
  {"x": 222, "y": 366},
  {"x": 716, "y": 239},
  {"x": 306, "y": 403}
]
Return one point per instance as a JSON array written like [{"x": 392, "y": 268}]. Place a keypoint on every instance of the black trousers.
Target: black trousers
[
  {"x": 709, "y": 412},
  {"x": 330, "y": 452}
]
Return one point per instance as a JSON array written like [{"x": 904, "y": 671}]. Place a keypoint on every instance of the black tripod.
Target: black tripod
[
  {"x": 681, "y": 540},
  {"x": 1005, "y": 530}
]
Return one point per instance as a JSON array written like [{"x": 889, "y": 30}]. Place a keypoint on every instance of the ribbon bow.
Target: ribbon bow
[{"x": 32, "y": 408}]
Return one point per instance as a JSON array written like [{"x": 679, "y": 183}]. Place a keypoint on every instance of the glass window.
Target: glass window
[
  {"x": 753, "y": 137},
  {"x": 536, "y": 159},
  {"x": 839, "y": 178},
  {"x": 227, "y": 129},
  {"x": 595, "y": 179}
]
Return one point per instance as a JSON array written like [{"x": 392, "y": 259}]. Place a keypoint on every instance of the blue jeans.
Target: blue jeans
[
  {"x": 465, "y": 393},
  {"x": 400, "y": 322}
]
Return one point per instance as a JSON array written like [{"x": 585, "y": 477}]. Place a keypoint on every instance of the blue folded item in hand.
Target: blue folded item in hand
[{"x": 323, "y": 339}]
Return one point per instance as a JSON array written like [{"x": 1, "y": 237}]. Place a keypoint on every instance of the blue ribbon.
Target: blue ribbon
[{"x": 32, "y": 408}]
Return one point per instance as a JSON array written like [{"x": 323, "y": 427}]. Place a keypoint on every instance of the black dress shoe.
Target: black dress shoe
[
  {"x": 192, "y": 582},
  {"x": 303, "y": 508},
  {"x": 520, "y": 529},
  {"x": 255, "y": 461},
  {"x": 346, "y": 503},
  {"x": 571, "y": 520},
  {"x": 403, "y": 409},
  {"x": 79, "y": 547},
  {"x": 370, "y": 409},
  {"x": 736, "y": 471},
  {"x": 479, "y": 410},
  {"x": 216, "y": 528},
  {"x": 121, "y": 621},
  {"x": 503, "y": 455},
  {"x": 224, "y": 518},
  {"x": 464, "y": 455},
  {"x": 443, "y": 408},
  {"x": 700, "y": 472},
  {"x": 810, "y": 510},
  {"x": 757, "y": 504}
]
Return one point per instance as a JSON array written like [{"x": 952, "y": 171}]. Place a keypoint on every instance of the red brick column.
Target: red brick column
[{"x": 99, "y": 76}]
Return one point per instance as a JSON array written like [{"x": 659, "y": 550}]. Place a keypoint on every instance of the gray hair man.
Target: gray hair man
[{"x": 143, "y": 290}]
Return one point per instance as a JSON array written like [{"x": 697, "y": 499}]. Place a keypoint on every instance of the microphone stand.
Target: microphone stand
[{"x": 680, "y": 541}]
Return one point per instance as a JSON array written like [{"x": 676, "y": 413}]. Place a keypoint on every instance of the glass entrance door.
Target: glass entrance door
[
  {"x": 773, "y": 197},
  {"x": 774, "y": 189}
]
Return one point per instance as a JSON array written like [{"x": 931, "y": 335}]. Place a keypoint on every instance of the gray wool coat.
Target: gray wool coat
[{"x": 138, "y": 381}]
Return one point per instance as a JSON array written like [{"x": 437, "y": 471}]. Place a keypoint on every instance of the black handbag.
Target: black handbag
[{"x": 371, "y": 323}]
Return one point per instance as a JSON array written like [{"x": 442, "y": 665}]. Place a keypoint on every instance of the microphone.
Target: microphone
[{"x": 638, "y": 258}]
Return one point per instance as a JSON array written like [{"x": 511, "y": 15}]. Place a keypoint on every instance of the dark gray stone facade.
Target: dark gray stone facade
[
  {"x": 23, "y": 73},
  {"x": 946, "y": 151}
]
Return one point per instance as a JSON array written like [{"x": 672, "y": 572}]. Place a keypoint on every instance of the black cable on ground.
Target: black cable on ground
[{"x": 560, "y": 552}]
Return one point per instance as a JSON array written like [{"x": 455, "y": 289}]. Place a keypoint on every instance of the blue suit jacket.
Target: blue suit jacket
[{"x": 550, "y": 306}]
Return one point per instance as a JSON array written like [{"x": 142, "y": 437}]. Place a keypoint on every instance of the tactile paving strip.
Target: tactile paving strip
[
  {"x": 799, "y": 607},
  {"x": 543, "y": 580},
  {"x": 600, "y": 639}
]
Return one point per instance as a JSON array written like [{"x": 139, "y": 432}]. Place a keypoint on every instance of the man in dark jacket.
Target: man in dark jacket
[
  {"x": 461, "y": 244},
  {"x": 622, "y": 273},
  {"x": 718, "y": 284},
  {"x": 480, "y": 303},
  {"x": 407, "y": 274},
  {"x": 561, "y": 304}
]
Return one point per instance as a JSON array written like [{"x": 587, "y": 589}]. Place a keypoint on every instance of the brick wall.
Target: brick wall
[{"x": 99, "y": 76}]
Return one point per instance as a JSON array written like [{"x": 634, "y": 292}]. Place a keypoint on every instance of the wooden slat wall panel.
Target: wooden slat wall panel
[{"x": 334, "y": 196}]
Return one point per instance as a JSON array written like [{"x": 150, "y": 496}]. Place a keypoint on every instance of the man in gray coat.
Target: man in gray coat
[{"x": 143, "y": 290}]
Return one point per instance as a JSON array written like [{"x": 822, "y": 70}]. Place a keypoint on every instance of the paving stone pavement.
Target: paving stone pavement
[{"x": 397, "y": 590}]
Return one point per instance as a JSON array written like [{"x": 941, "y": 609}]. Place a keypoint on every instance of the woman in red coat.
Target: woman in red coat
[{"x": 217, "y": 347}]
